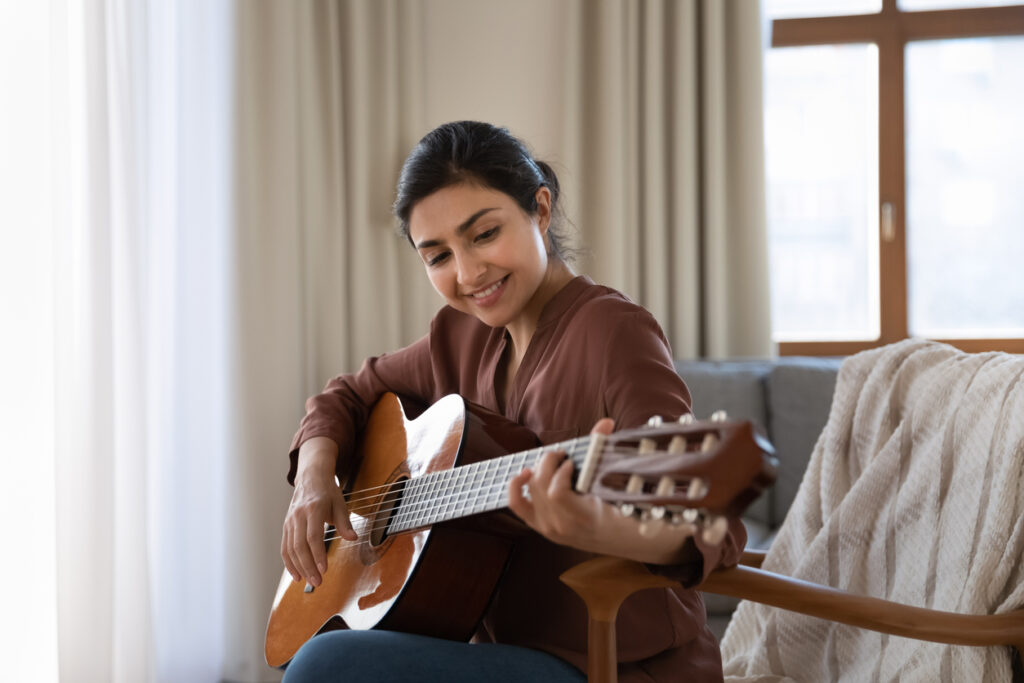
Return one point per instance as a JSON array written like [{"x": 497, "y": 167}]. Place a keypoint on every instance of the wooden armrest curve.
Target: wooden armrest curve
[
  {"x": 758, "y": 585},
  {"x": 753, "y": 558}
]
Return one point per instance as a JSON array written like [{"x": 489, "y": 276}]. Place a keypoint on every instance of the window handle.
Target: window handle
[{"x": 888, "y": 222}]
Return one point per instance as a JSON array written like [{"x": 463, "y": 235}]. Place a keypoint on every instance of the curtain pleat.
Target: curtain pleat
[{"x": 667, "y": 112}]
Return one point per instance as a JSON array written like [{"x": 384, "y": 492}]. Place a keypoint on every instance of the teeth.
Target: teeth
[{"x": 490, "y": 290}]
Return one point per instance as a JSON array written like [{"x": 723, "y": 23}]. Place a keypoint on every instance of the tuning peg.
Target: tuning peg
[
  {"x": 676, "y": 519},
  {"x": 666, "y": 486},
  {"x": 687, "y": 419},
  {"x": 655, "y": 421},
  {"x": 657, "y": 512},
  {"x": 690, "y": 515},
  {"x": 635, "y": 484},
  {"x": 626, "y": 509},
  {"x": 716, "y": 530},
  {"x": 697, "y": 489},
  {"x": 647, "y": 445},
  {"x": 709, "y": 442},
  {"x": 718, "y": 416},
  {"x": 678, "y": 445}
]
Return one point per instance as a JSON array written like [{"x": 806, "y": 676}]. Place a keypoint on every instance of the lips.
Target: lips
[{"x": 490, "y": 294}]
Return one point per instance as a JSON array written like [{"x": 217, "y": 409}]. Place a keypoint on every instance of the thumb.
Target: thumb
[
  {"x": 605, "y": 425},
  {"x": 341, "y": 519}
]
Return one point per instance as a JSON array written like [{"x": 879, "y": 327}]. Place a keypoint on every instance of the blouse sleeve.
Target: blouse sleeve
[
  {"x": 342, "y": 409},
  {"x": 641, "y": 381}
]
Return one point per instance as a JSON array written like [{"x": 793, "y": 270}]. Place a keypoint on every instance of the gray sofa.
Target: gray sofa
[{"x": 789, "y": 399}]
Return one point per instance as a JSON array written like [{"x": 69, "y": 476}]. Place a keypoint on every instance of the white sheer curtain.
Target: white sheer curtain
[{"x": 126, "y": 474}]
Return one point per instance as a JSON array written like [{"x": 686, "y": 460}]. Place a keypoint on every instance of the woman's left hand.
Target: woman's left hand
[{"x": 563, "y": 516}]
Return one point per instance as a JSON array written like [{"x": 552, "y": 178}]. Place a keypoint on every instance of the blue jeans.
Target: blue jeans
[{"x": 390, "y": 657}]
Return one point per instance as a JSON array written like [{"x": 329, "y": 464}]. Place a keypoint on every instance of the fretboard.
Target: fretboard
[{"x": 471, "y": 489}]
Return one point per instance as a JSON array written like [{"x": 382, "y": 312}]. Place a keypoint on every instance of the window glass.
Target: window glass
[
  {"x": 821, "y": 146},
  {"x": 919, "y": 5},
  {"x": 965, "y": 187}
]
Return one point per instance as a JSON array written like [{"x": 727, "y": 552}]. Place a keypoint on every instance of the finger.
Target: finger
[
  {"x": 517, "y": 502},
  {"x": 549, "y": 462},
  {"x": 286, "y": 555},
  {"x": 561, "y": 481},
  {"x": 605, "y": 425},
  {"x": 315, "y": 543},
  {"x": 304, "y": 537},
  {"x": 342, "y": 521}
]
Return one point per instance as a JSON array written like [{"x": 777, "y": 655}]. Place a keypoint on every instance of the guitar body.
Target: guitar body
[{"x": 437, "y": 580}]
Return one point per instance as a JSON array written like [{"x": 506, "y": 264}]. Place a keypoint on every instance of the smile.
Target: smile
[{"x": 483, "y": 294}]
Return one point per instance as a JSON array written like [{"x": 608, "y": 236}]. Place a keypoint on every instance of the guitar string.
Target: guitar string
[
  {"x": 432, "y": 506},
  {"x": 483, "y": 470},
  {"x": 358, "y": 503},
  {"x": 355, "y": 500},
  {"x": 571, "y": 448},
  {"x": 494, "y": 482},
  {"x": 370, "y": 494}
]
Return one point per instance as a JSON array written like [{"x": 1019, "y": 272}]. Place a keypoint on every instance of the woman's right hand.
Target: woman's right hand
[{"x": 317, "y": 501}]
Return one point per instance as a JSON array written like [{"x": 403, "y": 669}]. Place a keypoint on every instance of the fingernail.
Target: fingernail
[{"x": 322, "y": 566}]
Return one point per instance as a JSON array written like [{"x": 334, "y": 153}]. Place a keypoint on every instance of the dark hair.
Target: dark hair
[{"x": 480, "y": 153}]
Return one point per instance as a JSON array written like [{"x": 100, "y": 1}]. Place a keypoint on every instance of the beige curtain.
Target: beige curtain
[
  {"x": 663, "y": 117},
  {"x": 327, "y": 108}
]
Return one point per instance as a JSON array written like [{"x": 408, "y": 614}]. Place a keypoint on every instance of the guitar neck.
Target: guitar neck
[{"x": 471, "y": 489}]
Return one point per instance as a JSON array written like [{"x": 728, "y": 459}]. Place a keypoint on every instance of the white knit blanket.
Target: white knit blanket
[{"x": 914, "y": 493}]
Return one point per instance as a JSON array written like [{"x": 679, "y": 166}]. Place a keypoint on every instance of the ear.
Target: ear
[{"x": 543, "y": 197}]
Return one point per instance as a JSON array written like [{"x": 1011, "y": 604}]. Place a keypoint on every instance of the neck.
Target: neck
[
  {"x": 557, "y": 276},
  {"x": 470, "y": 489}
]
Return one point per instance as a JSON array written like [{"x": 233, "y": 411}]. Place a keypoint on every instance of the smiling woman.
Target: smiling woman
[{"x": 523, "y": 336}]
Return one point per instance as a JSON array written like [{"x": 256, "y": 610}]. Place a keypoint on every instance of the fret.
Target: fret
[
  {"x": 429, "y": 501},
  {"x": 497, "y": 485},
  {"x": 472, "y": 489},
  {"x": 479, "y": 477},
  {"x": 453, "y": 495},
  {"x": 476, "y": 488},
  {"x": 412, "y": 502},
  {"x": 402, "y": 512}
]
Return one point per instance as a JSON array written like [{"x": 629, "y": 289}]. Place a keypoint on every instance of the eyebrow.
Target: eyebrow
[{"x": 463, "y": 227}]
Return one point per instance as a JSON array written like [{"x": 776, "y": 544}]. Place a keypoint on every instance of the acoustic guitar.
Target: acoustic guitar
[{"x": 417, "y": 568}]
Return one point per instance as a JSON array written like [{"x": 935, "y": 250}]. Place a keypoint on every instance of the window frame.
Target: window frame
[{"x": 891, "y": 30}]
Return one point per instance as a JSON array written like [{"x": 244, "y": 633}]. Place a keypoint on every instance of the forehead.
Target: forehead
[{"x": 443, "y": 211}]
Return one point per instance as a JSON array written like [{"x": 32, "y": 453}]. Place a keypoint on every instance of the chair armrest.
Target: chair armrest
[
  {"x": 875, "y": 614},
  {"x": 753, "y": 558}
]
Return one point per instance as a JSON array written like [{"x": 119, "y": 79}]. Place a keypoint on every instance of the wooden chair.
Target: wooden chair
[{"x": 604, "y": 582}]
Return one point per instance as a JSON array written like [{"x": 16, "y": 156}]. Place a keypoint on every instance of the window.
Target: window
[{"x": 894, "y": 151}]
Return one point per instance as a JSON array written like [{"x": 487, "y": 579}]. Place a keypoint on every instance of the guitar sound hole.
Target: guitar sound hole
[{"x": 385, "y": 515}]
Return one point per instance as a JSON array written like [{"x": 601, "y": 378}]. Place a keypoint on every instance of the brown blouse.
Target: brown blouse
[{"x": 594, "y": 354}]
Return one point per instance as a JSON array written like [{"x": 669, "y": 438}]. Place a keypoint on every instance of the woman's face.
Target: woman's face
[{"x": 483, "y": 254}]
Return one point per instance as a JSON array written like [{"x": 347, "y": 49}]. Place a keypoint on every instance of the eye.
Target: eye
[
  {"x": 438, "y": 259},
  {"x": 487, "y": 234}
]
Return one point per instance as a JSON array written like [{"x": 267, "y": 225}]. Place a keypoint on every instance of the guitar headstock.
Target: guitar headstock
[{"x": 686, "y": 472}]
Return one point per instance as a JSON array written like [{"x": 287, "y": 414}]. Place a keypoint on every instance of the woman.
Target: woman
[{"x": 522, "y": 335}]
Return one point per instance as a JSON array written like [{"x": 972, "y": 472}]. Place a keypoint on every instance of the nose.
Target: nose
[{"x": 470, "y": 270}]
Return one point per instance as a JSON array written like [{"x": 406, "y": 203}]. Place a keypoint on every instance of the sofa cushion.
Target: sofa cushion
[
  {"x": 799, "y": 395},
  {"x": 738, "y": 388}
]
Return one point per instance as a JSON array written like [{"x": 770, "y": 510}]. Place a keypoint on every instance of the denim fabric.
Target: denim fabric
[{"x": 390, "y": 657}]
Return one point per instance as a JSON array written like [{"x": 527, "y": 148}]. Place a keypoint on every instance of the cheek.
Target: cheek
[{"x": 441, "y": 281}]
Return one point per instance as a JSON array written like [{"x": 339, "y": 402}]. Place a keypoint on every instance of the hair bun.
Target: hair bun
[{"x": 550, "y": 179}]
